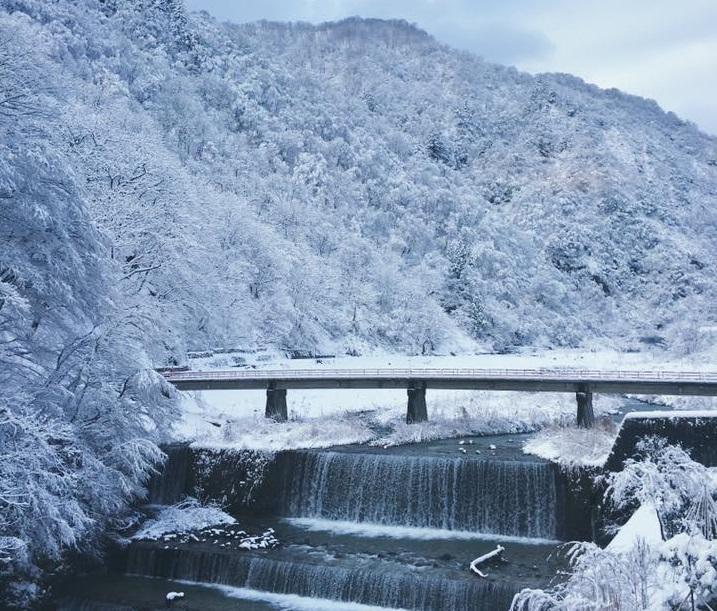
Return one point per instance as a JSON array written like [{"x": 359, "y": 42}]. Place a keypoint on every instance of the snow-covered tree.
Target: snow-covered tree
[
  {"x": 676, "y": 570},
  {"x": 79, "y": 413},
  {"x": 682, "y": 491}
]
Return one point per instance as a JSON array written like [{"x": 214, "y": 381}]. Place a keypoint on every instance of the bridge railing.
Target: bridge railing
[{"x": 568, "y": 373}]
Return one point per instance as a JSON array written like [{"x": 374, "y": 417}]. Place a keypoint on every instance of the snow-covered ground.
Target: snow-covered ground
[
  {"x": 317, "y": 419},
  {"x": 583, "y": 359},
  {"x": 643, "y": 525},
  {"x": 187, "y": 516},
  {"x": 322, "y": 418},
  {"x": 573, "y": 446}
]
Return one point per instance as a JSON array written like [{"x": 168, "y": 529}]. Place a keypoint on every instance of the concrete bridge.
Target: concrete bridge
[{"x": 583, "y": 382}]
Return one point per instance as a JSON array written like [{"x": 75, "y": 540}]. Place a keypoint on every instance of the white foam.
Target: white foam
[
  {"x": 363, "y": 529},
  {"x": 288, "y": 602}
]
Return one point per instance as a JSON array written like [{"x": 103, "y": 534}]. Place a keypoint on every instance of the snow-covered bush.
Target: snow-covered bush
[
  {"x": 681, "y": 490},
  {"x": 599, "y": 580},
  {"x": 688, "y": 572},
  {"x": 646, "y": 574}
]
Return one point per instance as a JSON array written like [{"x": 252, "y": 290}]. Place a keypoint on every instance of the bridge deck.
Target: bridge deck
[{"x": 536, "y": 380}]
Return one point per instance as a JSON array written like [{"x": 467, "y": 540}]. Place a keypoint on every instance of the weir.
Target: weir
[
  {"x": 378, "y": 527},
  {"x": 384, "y": 584},
  {"x": 388, "y": 527},
  {"x": 487, "y": 496},
  {"x": 172, "y": 484}
]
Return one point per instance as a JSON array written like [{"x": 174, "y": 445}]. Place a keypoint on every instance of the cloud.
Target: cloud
[
  {"x": 659, "y": 49},
  {"x": 497, "y": 42}
]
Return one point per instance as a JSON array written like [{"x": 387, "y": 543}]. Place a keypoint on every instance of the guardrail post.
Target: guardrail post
[
  {"x": 586, "y": 415},
  {"x": 276, "y": 403},
  {"x": 417, "y": 411}
]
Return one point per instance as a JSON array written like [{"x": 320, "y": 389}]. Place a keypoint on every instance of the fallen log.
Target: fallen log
[{"x": 496, "y": 553}]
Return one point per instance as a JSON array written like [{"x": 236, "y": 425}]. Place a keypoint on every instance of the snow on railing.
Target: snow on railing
[{"x": 437, "y": 373}]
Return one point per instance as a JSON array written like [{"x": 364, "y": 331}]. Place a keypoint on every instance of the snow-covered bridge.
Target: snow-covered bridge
[{"x": 583, "y": 382}]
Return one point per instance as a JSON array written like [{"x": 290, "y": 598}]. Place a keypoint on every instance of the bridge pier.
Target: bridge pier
[
  {"x": 586, "y": 416},
  {"x": 417, "y": 411},
  {"x": 276, "y": 404}
]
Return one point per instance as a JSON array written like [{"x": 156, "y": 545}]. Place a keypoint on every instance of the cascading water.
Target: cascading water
[
  {"x": 329, "y": 493},
  {"x": 393, "y": 587},
  {"x": 170, "y": 486},
  {"x": 488, "y": 496}
]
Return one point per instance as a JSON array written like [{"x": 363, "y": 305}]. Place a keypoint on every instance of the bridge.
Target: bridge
[{"x": 583, "y": 382}]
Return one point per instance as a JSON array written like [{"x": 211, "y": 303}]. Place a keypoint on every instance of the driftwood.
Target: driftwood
[{"x": 496, "y": 553}]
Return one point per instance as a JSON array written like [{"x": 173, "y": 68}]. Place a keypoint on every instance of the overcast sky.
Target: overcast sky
[{"x": 661, "y": 49}]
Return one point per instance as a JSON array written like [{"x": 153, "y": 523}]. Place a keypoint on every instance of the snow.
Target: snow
[
  {"x": 174, "y": 595},
  {"x": 259, "y": 433},
  {"x": 643, "y": 525},
  {"x": 189, "y": 515},
  {"x": 572, "y": 445},
  {"x": 238, "y": 421}
]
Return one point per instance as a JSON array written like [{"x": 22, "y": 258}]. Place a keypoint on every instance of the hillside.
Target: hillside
[{"x": 357, "y": 184}]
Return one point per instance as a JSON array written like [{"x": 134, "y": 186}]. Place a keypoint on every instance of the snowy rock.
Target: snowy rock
[
  {"x": 643, "y": 525},
  {"x": 174, "y": 595},
  {"x": 182, "y": 518}
]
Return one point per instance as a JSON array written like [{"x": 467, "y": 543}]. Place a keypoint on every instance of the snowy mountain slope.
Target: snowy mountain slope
[{"x": 357, "y": 184}]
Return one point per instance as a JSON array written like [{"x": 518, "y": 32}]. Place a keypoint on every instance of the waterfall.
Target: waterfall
[
  {"x": 379, "y": 586},
  {"x": 515, "y": 498},
  {"x": 522, "y": 499},
  {"x": 170, "y": 485}
]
